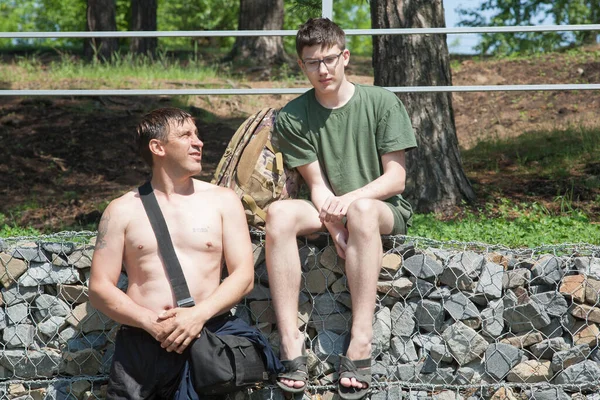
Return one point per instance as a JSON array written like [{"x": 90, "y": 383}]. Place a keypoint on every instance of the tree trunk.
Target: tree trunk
[
  {"x": 143, "y": 18},
  {"x": 265, "y": 50},
  {"x": 101, "y": 17},
  {"x": 436, "y": 180}
]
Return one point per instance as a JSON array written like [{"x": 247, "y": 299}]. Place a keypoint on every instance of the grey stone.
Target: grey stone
[
  {"x": 546, "y": 348},
  {"x": 259, "y": 292},
  {"x": 492, "y": 320},
  {"x": 87, "y": 319},
  {"x": 460, "y": 307},
  {"x": 408, "y": 372},
  {"x": 548, "y": 269},
  {"x": 51, "y": 306},
  {"x": 65, "y": 248},
  {"x": 28, "y": 364},
  {"x": 20, "y": 335},
  {"x": 522, "y": 314},
  {"x": 464, "y": 343},
  {"x": 397, "y": 288},
  {"x": 339, "y": 323},
  {"x": 403, "y": 350},
  {"x": 382, "y": 331},
  {"x": 122, "y": 284},
  {"x": 46, "y": 273},
  {"x": 429, "y": 315},
  {"x": 390, "y": 393},
  {"x": 427, "y": 340},
  {"x": 549, "y": 394},
  {"x": 538, "y": 289},
  {"x": 589, "y": 266},
  {"x": 403, "y": 322},
  {"x": 420, "y": 289},
  {"x": 51, "y": 326},
  {"x": 327, "y": 304},
  {"x": 93, "y": 340},
  {"x": 308, "y": 256},
  {"x": 107, "y": 357},
  {"x": 19, "y": 294},
  {"x": 582, "y": 376},
  {"x": 33, "y": 253},
  {"x": 500, "y": 358},
  {"x": 466, "y": 376},
  {"x": 566, "y": 358},
  {"x": 84, "y": 362},
  {"x": 447, "y": 395},
  {"x": 67, "y": 333},
  {"x": 3, "y": 323},
  {"x": 17, "y": 314},
  {"x": 440, "y": 353},
  {"x": 423, "y": 267},
  {"x": 461, "y": 270},
  {"x": 329, "y": 345},
  {"x": 490, "y": 281},
  {"x": 553, "y": 303},
  {"x": 81, "y": 258},
  {"x": 440, "y": 293},
  {"x": 442, "y": 376},
  {"x": 554, "y": 329}
]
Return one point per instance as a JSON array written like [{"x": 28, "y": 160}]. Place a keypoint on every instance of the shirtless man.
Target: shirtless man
[{"x": 207, "y": 225}]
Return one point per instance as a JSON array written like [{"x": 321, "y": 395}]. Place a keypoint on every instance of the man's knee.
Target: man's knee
[{"x": 362, "y": 216}]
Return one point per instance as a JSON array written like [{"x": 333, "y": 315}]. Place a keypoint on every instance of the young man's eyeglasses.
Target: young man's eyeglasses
[{"x": 330, "y": 62}]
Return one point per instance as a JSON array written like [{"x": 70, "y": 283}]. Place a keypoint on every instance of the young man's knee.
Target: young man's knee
[
  {"x": 362, "y": 215},
  {"x": 281, "y": 218}
]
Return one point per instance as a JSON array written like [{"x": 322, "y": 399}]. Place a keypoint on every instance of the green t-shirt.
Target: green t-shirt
[{"x": 348, "y": 141}]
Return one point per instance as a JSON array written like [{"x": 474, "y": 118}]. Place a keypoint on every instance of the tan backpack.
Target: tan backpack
[{"x": 253, "y": 167}]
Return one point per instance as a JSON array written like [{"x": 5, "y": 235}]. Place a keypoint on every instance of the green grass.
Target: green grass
[
  {"x": 124, "y": 72},
  {"x": 543, "y": 153},
  {"x": 527, "y": 225}
]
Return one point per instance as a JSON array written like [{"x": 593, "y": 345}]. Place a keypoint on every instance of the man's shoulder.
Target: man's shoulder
[
  {"x": 298, "y": 105},
  {"x": 377, "y": 92},
  {"x": 214, "y": 192}
]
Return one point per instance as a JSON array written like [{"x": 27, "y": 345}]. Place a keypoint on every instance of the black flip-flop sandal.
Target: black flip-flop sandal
[
  {"x": 358, "y": 369},
  {"x": 295, "y": 370}
]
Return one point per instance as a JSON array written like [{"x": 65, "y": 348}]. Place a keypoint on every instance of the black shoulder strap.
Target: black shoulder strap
[{"x": 165, "y": 245}]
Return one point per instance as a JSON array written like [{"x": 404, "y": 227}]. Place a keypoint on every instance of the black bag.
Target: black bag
[
  {"x": 219, "y": 364},
  {"x": 222, "y": 364}
]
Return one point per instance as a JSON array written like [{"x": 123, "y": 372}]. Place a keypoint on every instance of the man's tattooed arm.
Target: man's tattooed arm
[{"x": 102, "y": 229}]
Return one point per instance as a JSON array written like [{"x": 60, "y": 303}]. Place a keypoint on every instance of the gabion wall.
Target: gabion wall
[{"x": 453, "y": 320}]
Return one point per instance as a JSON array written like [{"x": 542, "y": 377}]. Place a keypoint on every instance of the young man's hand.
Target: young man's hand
[
  {"x": 334, "y": 209},
  {"x": 339, "y": 234},
  {"x": 180, "y": 326}
]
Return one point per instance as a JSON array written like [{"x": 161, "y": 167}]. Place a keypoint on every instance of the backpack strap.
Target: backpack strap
[{"x": 165, "y": 246}]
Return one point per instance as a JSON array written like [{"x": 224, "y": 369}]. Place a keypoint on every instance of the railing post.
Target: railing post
[{"x": 327, "y": 9}]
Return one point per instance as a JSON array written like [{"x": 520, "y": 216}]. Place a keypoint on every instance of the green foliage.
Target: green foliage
[
  {"x": 525, "y": 225},
  {"x": 531, "y": 12},
  {"x": 348, "y": 14},
  {"x": 197, "y": 15}
]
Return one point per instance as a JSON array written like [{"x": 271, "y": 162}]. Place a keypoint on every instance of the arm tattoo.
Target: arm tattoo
[{"x": 102, "y": 229}]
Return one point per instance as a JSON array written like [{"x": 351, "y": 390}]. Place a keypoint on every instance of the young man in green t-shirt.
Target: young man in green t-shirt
[{"x": 348, "y": 141}]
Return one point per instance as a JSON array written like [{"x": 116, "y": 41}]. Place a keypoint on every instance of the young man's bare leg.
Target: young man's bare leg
[
  {"x": 285, "y": 221},
  {"x": 367, "y": 220}
]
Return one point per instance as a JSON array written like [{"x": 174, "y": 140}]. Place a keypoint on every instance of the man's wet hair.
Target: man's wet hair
[
  {"x": 156, "y": 125},
  {"x": 319, "y": 31}
]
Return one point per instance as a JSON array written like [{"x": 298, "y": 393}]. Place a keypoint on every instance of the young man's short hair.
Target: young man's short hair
[
  {"x": 155, "y": 125},
  {"x": 319, "y": 31}
]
